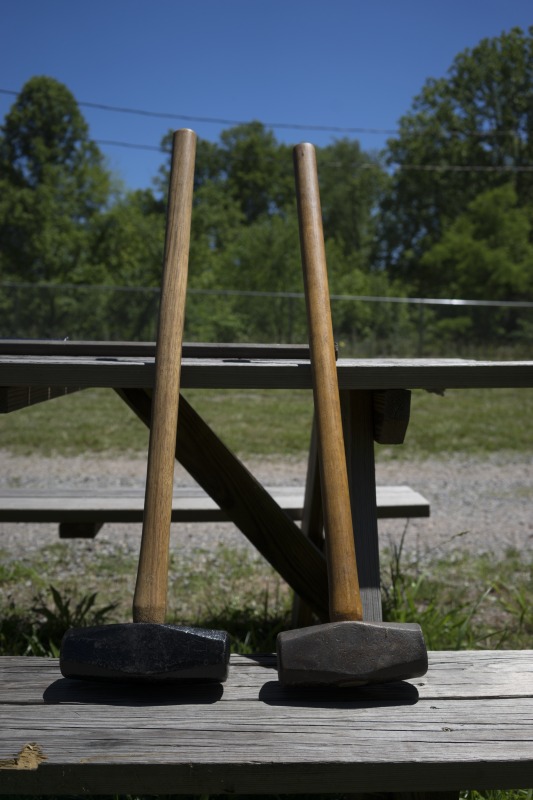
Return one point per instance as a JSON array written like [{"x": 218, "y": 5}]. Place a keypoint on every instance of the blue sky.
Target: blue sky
[{"x": 339, "y": 63}]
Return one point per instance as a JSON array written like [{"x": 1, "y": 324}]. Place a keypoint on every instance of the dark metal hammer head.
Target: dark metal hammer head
[
  {"x": 351, "y": 654},
  {"x": 145, "y": 652}
]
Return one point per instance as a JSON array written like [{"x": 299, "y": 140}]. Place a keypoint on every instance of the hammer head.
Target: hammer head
[
  {"x": 351, "y": 654},
  {"x": 145, "y": 652}
]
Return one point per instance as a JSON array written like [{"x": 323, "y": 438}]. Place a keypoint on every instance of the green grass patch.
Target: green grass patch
[
  {"x": 461, "y": 603},
  {"x": 473, "y": 421},
  {"x": 272, "y": 422}
]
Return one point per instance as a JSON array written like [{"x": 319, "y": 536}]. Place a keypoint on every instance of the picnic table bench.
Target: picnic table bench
[
  {"x": 81, "y": 514},
  {"x": 467, "y": 724}
]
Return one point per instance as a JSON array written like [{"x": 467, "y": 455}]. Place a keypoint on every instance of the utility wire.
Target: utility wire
[
  {"x": 221, "y": 121},
  {"x": 286, "y": 125},
  {"x": 414, "y": 167},
  {"x": 431, "y": 301},
  {"x": 294, "y": 126}
]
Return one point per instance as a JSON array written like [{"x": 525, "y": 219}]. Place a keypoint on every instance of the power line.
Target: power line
[
  {"x": 415, "y": 167},
  {"x": 131, "y": 145},
  {"x": 222, "y": 121},
  {"x": 464, "y": 168},
  {"x": 295, "y": 126},
  {"x": 431, "y": 301},
  {"x": 285, "y": 125}
]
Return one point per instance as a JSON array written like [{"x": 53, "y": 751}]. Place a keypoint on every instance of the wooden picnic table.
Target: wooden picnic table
[
  {"x": 467, "y": 724},
  {"x": 34, "y": 371}
]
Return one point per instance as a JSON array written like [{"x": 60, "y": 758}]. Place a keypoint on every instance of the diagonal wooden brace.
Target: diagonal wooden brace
[{"x": 249, "y": 506}]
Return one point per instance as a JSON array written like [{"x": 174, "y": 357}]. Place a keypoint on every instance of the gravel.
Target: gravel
[{"x": 479, "y": 504}]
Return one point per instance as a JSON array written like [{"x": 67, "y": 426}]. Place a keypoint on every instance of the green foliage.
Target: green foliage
[
  {"x": 245, "y": 234},
  {"x": 478, "y": 116},
  {"x": 53, "y": 183},
  {"x": 65, "y": 225},
  {"x": 351, "y": 185},
  {"x": 461, "y": 602},
  {"x": 52, "y": 186},
  {"x": 409, "y": 596},
  {"x": 487, "y": 251},
  {"x": 40, "y": 632}
]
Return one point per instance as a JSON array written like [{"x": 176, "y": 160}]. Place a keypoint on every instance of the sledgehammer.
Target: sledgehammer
[
  {"x": 346, "y": 651},
  {"x": 149, "y": 650}
]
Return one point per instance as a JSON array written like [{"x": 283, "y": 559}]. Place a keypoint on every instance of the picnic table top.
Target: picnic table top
[
  {"x": 278, "y": 373},
  {"x": 467, "y": 724}
]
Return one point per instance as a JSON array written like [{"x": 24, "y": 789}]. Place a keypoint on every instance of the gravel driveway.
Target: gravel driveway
[{"x": 488, "y": 500}]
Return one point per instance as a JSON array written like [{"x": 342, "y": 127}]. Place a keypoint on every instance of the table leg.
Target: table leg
[
  {"x": 357, "y": 418},
  {"x": 312, "y": 526}
]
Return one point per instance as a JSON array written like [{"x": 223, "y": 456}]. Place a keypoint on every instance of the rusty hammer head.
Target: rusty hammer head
[
  {"x": 351, "y": 654},
  {"x": 145, "y": 652}
]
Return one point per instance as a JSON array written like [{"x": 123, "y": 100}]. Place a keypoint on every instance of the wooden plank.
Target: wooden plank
[
  {"x": 367, "y": 374},
  {"x": 51, "y": 347},
  {"x": 392, "y": 408},
  {"x": 312, "y": 525},
  {"x": 358, "y": 424},
  {"x": 467, "y": 724},
  {"x": 190, "y": 504},
  {"x": 12, "y": 398}
]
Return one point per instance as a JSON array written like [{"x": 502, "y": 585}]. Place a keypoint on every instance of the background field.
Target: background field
[{"x": 474, "y": 421}]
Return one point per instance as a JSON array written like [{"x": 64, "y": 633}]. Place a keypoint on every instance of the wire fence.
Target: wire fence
[{"x": 364, "y": 325}]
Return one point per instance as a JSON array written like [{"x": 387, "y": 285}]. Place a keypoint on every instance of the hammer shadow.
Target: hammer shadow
[
  {"x": 399, "y": 693},
  {"x": 65, "y": 690}
]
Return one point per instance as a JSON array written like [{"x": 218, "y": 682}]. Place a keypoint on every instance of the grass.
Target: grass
[
  {"x": 273, "y": 422},
  {"x": 461, "y": 603}
]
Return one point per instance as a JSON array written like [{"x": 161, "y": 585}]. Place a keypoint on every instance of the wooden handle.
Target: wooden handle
[
  {"x": 150, "y": 599},
  {"x": 344, "y": 594}
]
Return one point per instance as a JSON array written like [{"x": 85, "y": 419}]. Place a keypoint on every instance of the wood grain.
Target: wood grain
[
  {"x": 466, "y": 724},
  {"x": 110, "y": 349},
  {"x": 150, "y": 599},
  {"x": 365, "y": 374},
  {"x": 392, "y": 409},
  {"x": 357, "y": 418},
  {"x": 344, "y": 596}
]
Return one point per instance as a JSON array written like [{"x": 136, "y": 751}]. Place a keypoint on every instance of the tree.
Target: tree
[
  {"x": 126, "y": 244},
  {"x": 351, "y": 186},
  {"x": 464, "y": 135},
  {"x": 258, "y": 170},
  {"x": 486, "y": 253},
  {"x": 253, "y": 168},
  {"x": 53, "y": 184},
  {"x": 245, "y": 234}
]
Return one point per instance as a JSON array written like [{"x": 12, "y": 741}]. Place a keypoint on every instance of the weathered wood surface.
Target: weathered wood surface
[
  {"x": 392, "y": 409},
  {"x": 369, "y": 374},
  {"x": 55, "y": 347},
  {"x": 190, "y": 504},
  {"x": 357, "y": 413},
  {"x": 14, "y": 397},
  {"x": 467, "y": 724}
]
